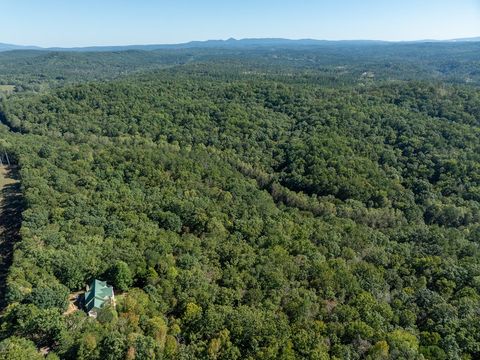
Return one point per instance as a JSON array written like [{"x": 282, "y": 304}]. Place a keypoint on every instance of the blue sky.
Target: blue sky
[{"x": 119, "y": 22}]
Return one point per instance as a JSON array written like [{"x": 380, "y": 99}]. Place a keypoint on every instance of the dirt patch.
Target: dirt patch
[{"x": 74, "y": 302}]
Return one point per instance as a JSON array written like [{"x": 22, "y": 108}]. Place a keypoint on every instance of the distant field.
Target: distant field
[{"x": 7, "y": 88}]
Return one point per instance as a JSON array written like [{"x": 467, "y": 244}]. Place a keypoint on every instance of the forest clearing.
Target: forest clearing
[{"x": 10, "y": 219}]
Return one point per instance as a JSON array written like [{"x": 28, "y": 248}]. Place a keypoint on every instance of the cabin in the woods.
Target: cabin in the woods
[{"x": 98, "y": 294}]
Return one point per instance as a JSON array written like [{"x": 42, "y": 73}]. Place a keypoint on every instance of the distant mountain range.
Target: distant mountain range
[
  {"x": 468, "y": 39},
  {"x": 230, "y": 43},
  {"x": 8, "y": 47}
]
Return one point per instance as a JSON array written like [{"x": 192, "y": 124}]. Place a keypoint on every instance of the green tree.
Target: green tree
[
  {"x": 15, "y": 348},
  {"x": 114, "y": 346},
  {"x": 121, "y": 276},
  {"x": 55, "y": 296}
]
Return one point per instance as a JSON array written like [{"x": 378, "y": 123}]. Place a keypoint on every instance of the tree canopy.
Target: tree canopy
[{"x": 246, "y": 215}]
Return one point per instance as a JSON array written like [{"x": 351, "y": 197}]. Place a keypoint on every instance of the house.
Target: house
[{"x": 97, "y": 295}]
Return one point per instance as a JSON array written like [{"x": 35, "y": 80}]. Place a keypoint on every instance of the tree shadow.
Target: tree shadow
[{"x": 11, "y": 207}]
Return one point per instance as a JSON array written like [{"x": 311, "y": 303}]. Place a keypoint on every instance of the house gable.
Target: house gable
[{"x": 97, "y": 294}]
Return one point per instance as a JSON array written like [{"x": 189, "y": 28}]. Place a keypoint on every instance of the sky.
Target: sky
[{"x": 121, "y": 22}]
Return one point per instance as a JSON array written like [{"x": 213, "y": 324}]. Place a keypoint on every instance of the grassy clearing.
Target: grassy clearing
[
  {"x": 5, "y": 178},
  {"x": 8, "y": 89}
]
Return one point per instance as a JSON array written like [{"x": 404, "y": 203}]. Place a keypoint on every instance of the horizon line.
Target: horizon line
[{"x": 239, "y": 39}]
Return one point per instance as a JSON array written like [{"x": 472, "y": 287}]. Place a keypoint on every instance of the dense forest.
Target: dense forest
[
  {"x": 246, "y": 203},
  {"x": 335, "y": 62}
]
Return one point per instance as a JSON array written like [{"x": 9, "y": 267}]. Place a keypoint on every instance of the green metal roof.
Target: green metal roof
[{"x": 98, "y": 293}]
